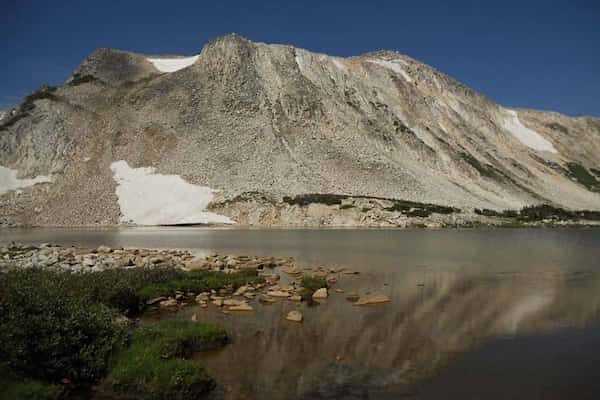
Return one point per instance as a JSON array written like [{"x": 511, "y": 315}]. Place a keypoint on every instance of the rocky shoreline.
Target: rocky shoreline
[{"x": 281, "y": 278}]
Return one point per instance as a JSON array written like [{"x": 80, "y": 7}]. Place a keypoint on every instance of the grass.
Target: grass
[
  {"x": 156, "y": 363},
  {"x": 311, "y": 284},
  {"x": 56, "y": 325},
  {"x": 17, "y": 388},
  {"x": 199, "y": 281}
]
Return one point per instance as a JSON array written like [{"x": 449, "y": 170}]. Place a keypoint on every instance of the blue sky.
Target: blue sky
[{"x": 536, "y": 54}]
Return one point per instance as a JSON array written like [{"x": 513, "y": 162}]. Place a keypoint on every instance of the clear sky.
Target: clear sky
[{"x": 536, "y": 54}]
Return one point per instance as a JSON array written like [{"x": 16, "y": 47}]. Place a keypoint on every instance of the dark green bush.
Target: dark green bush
[
  {"x": 16, "y": 388},
  {"x": 49, "y": 333}
]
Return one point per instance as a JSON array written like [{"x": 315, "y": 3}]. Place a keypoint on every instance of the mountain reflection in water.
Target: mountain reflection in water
[{"x": 461, "y": 302}]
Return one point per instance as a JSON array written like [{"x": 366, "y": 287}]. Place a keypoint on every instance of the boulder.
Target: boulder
[
  {"x": 294, "y": 316},
  {"x": 320, "y": 294},
  {"x": 169, "y": 303},
  {"x": 241, "y": 307}
]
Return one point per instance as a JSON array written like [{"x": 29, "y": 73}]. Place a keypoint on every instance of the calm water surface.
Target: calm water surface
[{"x": 475, "y": 314}]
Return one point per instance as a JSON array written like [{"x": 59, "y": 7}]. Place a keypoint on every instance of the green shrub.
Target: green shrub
[
  {"x": 312, "y": 284},
  {"x": 48, "y": 333},
  {"x": 156, "y": 364},
  {"x": 16, "y": 388}
]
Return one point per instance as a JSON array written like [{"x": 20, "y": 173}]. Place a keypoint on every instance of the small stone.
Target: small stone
[
  {"x": 320, "y": 294},
  {"x": 241, "y": 290},
  {"x": 296, "y": 297},
  {"x": 339, "y": 290},
  {"x": 168, "y": 303},
  {"x": 218, "y": 302},
  {"x": 232, "y": 302},
  {"x": 194, "y": 317},
  {"x": 278, "y": 293},
  {"x": 103, "y": 249},
  {"x": 294, "y": 316},
  {"x": 241, "y": 307},
  {"x": 266, "y": 300},
  {"x": 155, "y": 300},
  {"x": 203, "y": 297},
  {"x": 373, "y": 298}
]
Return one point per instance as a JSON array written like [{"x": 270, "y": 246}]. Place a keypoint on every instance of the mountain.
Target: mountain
[{"x": 268, "y": 134}]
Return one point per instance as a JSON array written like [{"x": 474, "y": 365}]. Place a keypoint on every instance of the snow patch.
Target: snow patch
[
  {"x": 148, "y": 198},
  {"x": 528, "y": 137},
  {"x": 9, "y": 180},
  {"x": 172, "y": 64},
  {"x": 395, "y": 65}
]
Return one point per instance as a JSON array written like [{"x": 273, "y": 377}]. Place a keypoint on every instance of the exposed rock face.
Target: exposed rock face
[{"x": 248, "y": 117}]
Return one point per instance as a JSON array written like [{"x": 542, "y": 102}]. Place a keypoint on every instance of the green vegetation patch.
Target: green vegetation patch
[
  {"x": 59, "y": 325},
  {"x": 15, "y": 387},
  {"x": 48, "y": 332},
  {"x": 541, "y": 212},
  {"x": 493, "y": 213},
  {"x": 408, "y": 208},
  {"x": 581, "y": 175},
  {"x": 156, "y": 362},
  {"x": 485, "y": 170},
  {"x": 44, "y": 92},
  {"x": 313, "y": 283},
  {"x": 79, "y": 79},
  {"x": 199, "y": 281}
]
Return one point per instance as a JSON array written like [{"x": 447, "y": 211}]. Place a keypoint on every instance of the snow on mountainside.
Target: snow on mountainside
[
  {"x": 172, "y": 64},
  {"x": 125, "y": 139}
]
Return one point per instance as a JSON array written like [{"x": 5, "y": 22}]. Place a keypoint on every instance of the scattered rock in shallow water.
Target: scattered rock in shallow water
[
  {"x": 241, "y": 290},
  {"x": 203, "y": 297},
  {"x": 266, "y": 300},
  {"x": 155, "y": 300},
  {"x": 218, "y": 302},
  {"x": 170, "y": 303},
  {"x": 353, "y": 297},
  {"x": 339, "y": 290},
  {"x": 294, "y": 316},
  {"x": 241, "y": 307},
  {"x": 320, "y": 294},
  {"x": 194, "y": 317},
  {"x": 278, "y": 293},
  {"x": 373, "y": 298},
  {"x": 295, "y": 297},
  {"x": 233, "y": 302}
]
